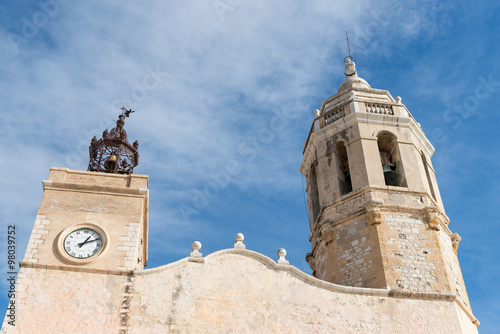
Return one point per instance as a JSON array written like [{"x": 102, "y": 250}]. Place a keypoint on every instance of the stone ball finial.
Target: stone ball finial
[
  {"x": 398, "y": 99},
  {"x": 239, "y": 237},
  {"x": 317, "y": 112},
  {"x": 196, "y": 246},
  {"x": 196, "y": 249},
  {"x": 281, "y": 256}
]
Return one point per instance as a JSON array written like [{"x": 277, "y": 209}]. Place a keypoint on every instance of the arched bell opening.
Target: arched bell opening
[
  {"x": 390, "y": 158},
  {"x": 343, "y": 170},
  {"x": 313, "y": 195}
]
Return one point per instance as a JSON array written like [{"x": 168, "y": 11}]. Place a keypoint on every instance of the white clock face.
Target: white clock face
[{"x": 82, "y": 243}]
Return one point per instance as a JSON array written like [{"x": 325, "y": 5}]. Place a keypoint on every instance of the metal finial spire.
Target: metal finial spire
[
  {"x": 126, "y": 112},
  {"x": 348, "y": 47},
  {"x": 113, "y": 153}
]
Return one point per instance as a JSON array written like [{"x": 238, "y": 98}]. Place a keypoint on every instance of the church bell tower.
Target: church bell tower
[{"x": 376, "y": 216}]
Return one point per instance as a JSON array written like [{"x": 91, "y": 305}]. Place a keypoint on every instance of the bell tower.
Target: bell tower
[{"x": 375, "y": 213}]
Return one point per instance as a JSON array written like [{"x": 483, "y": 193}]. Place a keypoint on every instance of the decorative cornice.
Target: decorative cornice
[
  {"x": 74, "y": 171},
  {"x": 24, "y": 264},
  {"x": 378, "y": 206},
  {"x": 80, "y": 187}
]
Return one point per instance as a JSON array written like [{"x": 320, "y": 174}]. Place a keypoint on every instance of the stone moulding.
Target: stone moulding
[
  {"x": 379, "y": 207},
  {"x": 101, "y": 189},
  {"x": 62, "y": 174}
]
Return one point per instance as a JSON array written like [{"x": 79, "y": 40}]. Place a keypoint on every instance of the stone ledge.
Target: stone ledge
[
  {"x": 101, "y": 189},
  {"x": 396, "y": 293},
  {"x": 25, "y": 264},
  {"x": 468, "y": 312},
  {"x": 110, "y": 175}
]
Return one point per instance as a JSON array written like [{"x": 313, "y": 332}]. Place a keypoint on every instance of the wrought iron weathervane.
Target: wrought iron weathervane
[{"x": 113, "y": 153}]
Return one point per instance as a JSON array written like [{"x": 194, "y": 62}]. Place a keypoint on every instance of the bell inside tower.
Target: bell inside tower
[{"x": 392, "y": 166}]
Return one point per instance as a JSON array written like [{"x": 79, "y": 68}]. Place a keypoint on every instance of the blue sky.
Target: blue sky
[{"x": 206, "y": 78}]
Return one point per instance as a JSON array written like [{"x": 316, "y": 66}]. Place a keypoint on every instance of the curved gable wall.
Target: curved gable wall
[{"x": 230, "y": 291}]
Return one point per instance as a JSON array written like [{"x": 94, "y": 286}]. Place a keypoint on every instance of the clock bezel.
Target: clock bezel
[{"x": 80, "y": 261}]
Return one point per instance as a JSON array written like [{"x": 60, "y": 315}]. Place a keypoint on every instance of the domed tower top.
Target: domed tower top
[{"x": 113, "y": 153}]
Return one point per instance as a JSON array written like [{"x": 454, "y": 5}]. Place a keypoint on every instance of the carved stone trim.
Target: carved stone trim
[
  {"x": 374, "y": 217},
  {"x": 455, "y": 240},
  {"x": 433, "y": 218},
  {"x": 327, "y": 233},
  {"x": 373, "y": 213}
]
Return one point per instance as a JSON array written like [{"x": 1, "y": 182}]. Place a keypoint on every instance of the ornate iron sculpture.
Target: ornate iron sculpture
[{"x": 113, "y": 153}]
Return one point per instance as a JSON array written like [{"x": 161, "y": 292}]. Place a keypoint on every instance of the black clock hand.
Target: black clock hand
[
  {"x": 87, "y": 242},
  {"x": 83, "y": 243}
]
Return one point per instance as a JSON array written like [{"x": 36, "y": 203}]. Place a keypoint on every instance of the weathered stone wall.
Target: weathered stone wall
[
  {"x": 386, "y": 237},
  {"x": 411, "y": 253},
  {"x": 348, "y": 254},
  {"x": 354, "y": 246},
  {"x": 61, "y": 301},
  {"x": 232, "y": 291}
]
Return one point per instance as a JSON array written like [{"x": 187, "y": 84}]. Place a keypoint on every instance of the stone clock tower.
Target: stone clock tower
[
  {"x": 96, "y": 219},
  {"x": 90, "y": 220},
  {"x": 376, "y": 215}
]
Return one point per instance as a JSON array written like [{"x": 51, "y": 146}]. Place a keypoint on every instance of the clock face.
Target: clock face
[{"x": 82, "y": 243}]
